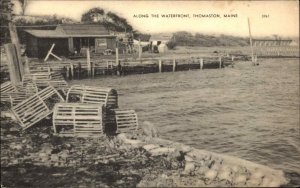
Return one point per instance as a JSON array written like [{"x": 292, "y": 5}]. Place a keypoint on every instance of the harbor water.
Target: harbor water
[{"x": 251, "y": 112}]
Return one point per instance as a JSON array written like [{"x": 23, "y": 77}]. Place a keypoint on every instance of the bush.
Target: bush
[{"x": 171, "y": 45}]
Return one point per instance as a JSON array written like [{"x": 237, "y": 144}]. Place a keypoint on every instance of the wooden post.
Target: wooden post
[
  {"x": 88, "y": 59},
  {"x": 220, "y": 62},
  {"x": 160, "y": 65},
  {"x": 71, "y": 44},
  {"x": 174, "y": 65},
  {"x": 15, "y": 40},
  {"x": 26, "y": 66},
  {"x": 140, "y": 50},
  {"x": 201, "y": 63},
  {"x": 117, "y": 56},
  {"x": 68, "y": 72},
  {"x": 107, "y": 67},
  {"x": 93, "y": 69},
  {"x": 119, "y": 67},
  {"x": 72, "y": 70},
  {"x": 79, "y": 70},
  {"x": 13, "y": 64},
  {"x": 252, "y": 53}
]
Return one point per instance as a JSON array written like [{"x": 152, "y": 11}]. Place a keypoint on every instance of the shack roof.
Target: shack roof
[
  {"x": 46, "y": 33},
  {"x": 72, "y": 30}
]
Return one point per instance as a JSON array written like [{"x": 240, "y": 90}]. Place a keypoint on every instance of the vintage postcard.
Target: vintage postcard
[{"x": 149, "y": 93}]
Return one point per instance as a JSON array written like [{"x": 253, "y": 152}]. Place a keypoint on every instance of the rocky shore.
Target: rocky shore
[{"x": 37, "y": 158}]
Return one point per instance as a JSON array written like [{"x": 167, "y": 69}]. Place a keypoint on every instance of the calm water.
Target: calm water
[{"x": 245, "y": 111}]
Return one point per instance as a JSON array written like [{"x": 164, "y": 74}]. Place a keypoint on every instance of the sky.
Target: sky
[{"x": 267, "y": 18}]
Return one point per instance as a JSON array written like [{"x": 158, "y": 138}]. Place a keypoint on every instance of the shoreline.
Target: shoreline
[{"x": 123, "y": 160}]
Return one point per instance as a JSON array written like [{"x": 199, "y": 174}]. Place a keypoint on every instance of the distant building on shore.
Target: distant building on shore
[
  {"x": 158, "y": 42},
  {"x": 69, "y": 39},
  {"x": 272, "y": 42}
]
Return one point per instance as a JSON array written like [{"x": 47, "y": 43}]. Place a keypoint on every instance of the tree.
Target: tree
[
  {"x": 23, "y": 5},
  {"x": 110, "y": 20},
  {"x": 6, "y": 15},
  {"x": 93, "y": 15},
  {"x": 121, "y": 23}
]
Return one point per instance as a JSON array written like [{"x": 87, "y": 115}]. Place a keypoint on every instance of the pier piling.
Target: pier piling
[
  {"x": 160, "y": 65},
  {"x": 201, "y": 63},
  {"x": 174, "y": 65},
  {"x": 88, "y": 59},
  {"x": 13, "y": 63}
]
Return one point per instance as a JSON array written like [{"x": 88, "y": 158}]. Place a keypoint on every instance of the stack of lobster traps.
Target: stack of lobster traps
[
  {"x": 76, "y": 111},
  {"x": 92, "y": 111}
]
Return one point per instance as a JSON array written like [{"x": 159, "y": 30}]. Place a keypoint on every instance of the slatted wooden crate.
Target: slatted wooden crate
[
  {"x": 127, "y": 121},
  {"x": 22, "y": 93},
  {"x": 78, "y": 119},
  {"x": 6, "y": 89},
  {"x": 41, "y": 79},
  {"x": 93, "y": 95},
  {"x": 56, "y": 76},
  {"x": 16, "y": 94},
  {"x": 46, "y": 79},
  {"x": 36, "y": 107}
]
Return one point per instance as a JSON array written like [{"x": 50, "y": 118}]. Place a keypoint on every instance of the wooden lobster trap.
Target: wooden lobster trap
[
  {"x": 77, "y": 119},
  {"x": 16, "y": 94},
  {"x": 45, "y": 79},
  {"x": 22, "y": 93},
  {"x": 36, "y": 107},
  {"x": 6, "y": 89},
  {"x": 93, "y": 95},
  {"x": 126, "y": 120}
]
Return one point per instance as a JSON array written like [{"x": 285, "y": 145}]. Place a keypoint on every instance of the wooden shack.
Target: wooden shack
[{"x": 69, "y": 39}]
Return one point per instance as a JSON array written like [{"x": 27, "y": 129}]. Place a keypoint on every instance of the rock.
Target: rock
[
  {"x": 202, "y": 170},
  {"x": 150, "y": 147},
  {"x": 275, "y": 183},
  {"x": 16, "y": 146},
  {"x": 211, "y": 174},
  {"x": 225, "y": 173},
  {"x": 240, "y": 180},
  {"x": 257, "y": 174},
  {"x": 175, "y": 165},
  {"x": 266, "y": 182},
  {"x": 149, "y": 129},
  {"x": 121, "y": 137},
  {"x": 134, "y": 143},
  {"x": 188, "y": 158},
  {"x": 54, "y": 157},
  {"x": 189, "y": 168},
  {"x": 161, "y": 151},
  {"x": 44, "y": 136},
  {"x": 254, "y": 182},
  {"x": 43, "y": 156},
  {"x": 183, "y": 148},
  {"x": 198, "y": 155}
]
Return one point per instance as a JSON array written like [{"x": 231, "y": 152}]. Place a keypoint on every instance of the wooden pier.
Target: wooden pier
[{"x": 83, "y": 68}]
